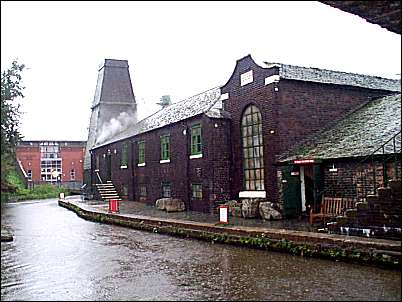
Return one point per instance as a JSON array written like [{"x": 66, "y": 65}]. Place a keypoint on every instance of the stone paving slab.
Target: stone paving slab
[{"x": 138, "y": 208}]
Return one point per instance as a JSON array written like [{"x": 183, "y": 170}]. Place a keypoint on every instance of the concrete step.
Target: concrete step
[
  {"x": 105, "y": 186},
  {"x": 110, "y": 196},
  {"x": 106, "y": 189},
  {"x": 108, "y": 193}
]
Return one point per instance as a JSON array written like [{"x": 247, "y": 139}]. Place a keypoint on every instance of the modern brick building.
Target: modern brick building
[
  {"x": 225, "y": 143},
  {"x": 52, "y": 161}
]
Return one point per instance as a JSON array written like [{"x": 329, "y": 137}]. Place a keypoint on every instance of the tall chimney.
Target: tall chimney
[{"x": 113, "y": 95}]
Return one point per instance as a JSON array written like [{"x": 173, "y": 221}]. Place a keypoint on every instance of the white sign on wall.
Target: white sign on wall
[
  {"x": 223, "y": 214},
  {"x": 246, "y": 78}
]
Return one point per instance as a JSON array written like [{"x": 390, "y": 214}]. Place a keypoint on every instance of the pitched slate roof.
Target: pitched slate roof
[
  {"x": 310, "y": 74},
  {"x": 358, "y": 134},
  {"x": 200, "y": 103},
  {"x": 114, "y": 83}
]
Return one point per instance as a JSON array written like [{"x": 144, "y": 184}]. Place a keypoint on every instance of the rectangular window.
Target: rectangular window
[
  {"x": 97, "y": 162},
  {"x": 196, "y": 189},
  {"x": 141, "y": 152},
  {"x": 72, "y": 174},
  {"x": 143, "y": 190},
  {"x": 29, "y": 174},
  {"x": 196, "y": 140},
  {"x": 166, "y": 189},
  {"x": 165, "y": 147},
  {"x": 124, "y": 155}
]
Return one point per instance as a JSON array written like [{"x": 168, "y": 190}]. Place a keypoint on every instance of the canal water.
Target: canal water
[{"x": 56, "y": 255}]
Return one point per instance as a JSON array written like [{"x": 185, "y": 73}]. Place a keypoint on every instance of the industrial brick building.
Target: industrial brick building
[
  {"x": 52, "y": 162},
  {"x": 226, "y": 143}
]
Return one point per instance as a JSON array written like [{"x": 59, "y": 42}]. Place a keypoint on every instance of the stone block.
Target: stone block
[
  {"x": 250, "y": 207},
  {"x": 170, "y": 204},
  {"x": 268, "y": 211},
  {"x": 160, "y": 203}
]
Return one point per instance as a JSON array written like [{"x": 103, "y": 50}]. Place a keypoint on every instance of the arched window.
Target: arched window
[{"x": 253, "y": 161}]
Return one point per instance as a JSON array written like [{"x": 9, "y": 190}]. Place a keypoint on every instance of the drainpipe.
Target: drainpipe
[{"x": 187, "y": 161}]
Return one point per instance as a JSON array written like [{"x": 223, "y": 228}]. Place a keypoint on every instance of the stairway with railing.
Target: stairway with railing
[{"x": 105, "y": 190}]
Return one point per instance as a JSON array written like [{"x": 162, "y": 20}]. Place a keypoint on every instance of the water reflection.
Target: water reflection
[{"x": 56, "y": 255}]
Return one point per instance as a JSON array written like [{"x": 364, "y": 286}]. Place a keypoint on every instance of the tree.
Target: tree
[{"x": 11, "y": 89}]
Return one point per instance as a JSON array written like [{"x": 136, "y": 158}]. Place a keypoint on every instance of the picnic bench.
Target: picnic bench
[{"x": 331, "y": 207}]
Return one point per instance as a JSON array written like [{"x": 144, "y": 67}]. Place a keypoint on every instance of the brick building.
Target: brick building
[
  {"x": 225, "y": 143},
  {"x": 52, "y": 161}
]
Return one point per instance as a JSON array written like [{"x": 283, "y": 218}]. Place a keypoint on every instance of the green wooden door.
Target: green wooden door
[{"x": 291, "y": 194}]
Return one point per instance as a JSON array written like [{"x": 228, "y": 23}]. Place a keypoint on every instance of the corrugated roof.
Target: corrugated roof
[
  {"x": 310, "y": 74},
  {"x": 200, "y": 103},
  {"x": 358, "y": 134}
]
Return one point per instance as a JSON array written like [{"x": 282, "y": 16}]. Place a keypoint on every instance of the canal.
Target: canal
[{"x": 56, "y": 255}]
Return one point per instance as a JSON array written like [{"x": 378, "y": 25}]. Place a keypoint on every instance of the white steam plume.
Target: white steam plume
[{"x": 114, "y": 126}]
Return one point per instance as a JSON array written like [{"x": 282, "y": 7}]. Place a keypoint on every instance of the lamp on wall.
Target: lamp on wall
[{"x": 333, "y": 169}]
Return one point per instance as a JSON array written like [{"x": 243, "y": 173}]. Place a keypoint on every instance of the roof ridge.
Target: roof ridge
[
  {"x": 186, "y": 99},
  {"x": 338, "y": 71}
]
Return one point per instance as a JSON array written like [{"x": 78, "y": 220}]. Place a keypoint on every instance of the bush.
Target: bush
[{"x": 37, "y": 192}]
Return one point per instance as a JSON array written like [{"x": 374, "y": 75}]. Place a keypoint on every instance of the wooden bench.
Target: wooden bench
[{"x": 331, "y": 207}]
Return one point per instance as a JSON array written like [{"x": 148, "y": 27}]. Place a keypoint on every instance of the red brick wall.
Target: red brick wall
[
  {"x": 30, "y": 159},
  {"x": 72, "y": 158}
]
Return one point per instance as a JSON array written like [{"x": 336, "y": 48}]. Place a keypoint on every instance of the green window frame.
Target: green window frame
[
  {"x": 165, "y": 147},
  {"x": 166, "y": 190},
  {"x": 196, "y": 189},
  {"x": 124, "y": 155},
  {"x": 142, "y": 190},
  {"x": 141, "y": 152},
  {"x": 196, "y": 140}
]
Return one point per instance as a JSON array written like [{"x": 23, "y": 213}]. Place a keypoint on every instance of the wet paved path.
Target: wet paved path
[
  {"x": 56, "y": 255},
  {"x": 138, "y": 208}
]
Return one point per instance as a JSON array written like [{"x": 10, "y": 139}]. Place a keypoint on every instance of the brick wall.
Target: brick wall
[
  {"x": 72, "y": 158},
  {"x": 291, "y": 111},
  {"x": 30, "y": 160},
  {"x": 354, "y": 179},
  {"x": 212, "y": 170}
]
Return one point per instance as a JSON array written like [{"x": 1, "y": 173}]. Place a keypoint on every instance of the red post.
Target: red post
[{"x": 113, "y": 206}]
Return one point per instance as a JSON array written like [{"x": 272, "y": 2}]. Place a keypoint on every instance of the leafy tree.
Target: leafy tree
[{"x": 11, "y": 89}]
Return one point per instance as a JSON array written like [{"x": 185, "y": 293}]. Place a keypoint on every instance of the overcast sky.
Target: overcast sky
[{"x": 174, "y": 48}]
